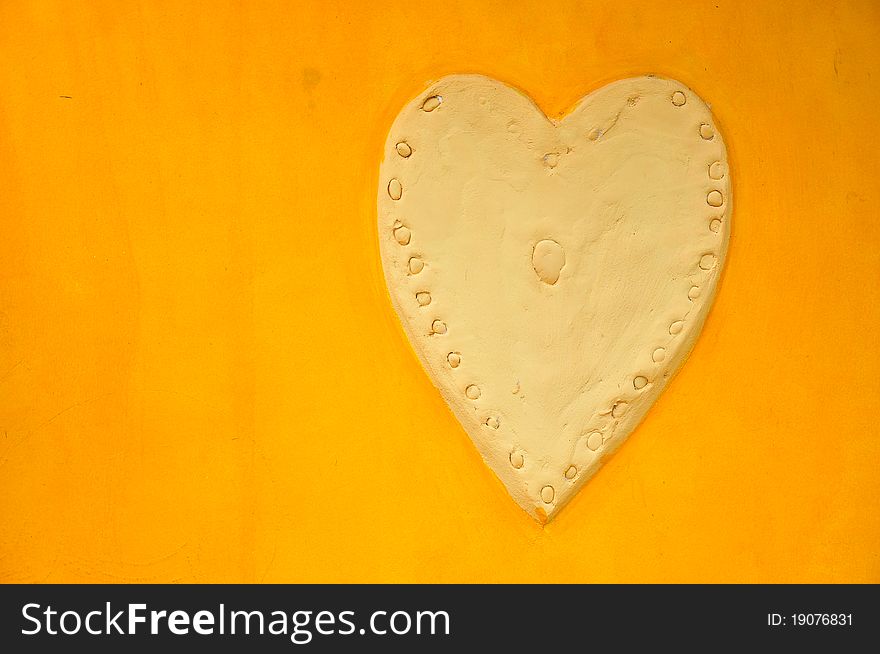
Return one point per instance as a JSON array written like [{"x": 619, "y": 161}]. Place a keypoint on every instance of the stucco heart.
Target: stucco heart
[{"x": 552, "y": 275}]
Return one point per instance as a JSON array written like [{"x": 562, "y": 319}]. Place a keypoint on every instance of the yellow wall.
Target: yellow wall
[{"x": 202, "y": 378}]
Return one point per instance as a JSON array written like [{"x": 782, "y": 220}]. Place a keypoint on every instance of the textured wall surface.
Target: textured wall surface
[{"x": 202, "y": 377}]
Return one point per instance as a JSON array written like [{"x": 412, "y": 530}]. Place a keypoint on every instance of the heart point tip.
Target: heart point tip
[{"x": 541, "y": 516}]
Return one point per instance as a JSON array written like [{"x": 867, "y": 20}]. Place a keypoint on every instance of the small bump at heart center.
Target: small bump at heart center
[{"x": 548, "y": 260}]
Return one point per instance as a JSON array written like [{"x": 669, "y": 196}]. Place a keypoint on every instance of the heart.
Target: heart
[{"x": 552, "y": 275}]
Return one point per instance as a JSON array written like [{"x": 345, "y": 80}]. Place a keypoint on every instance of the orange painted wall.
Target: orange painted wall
[{"x": 201, "y": 376}]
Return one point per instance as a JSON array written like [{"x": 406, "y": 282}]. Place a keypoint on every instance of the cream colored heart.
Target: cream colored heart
[{"x": 552, "y": 275}]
